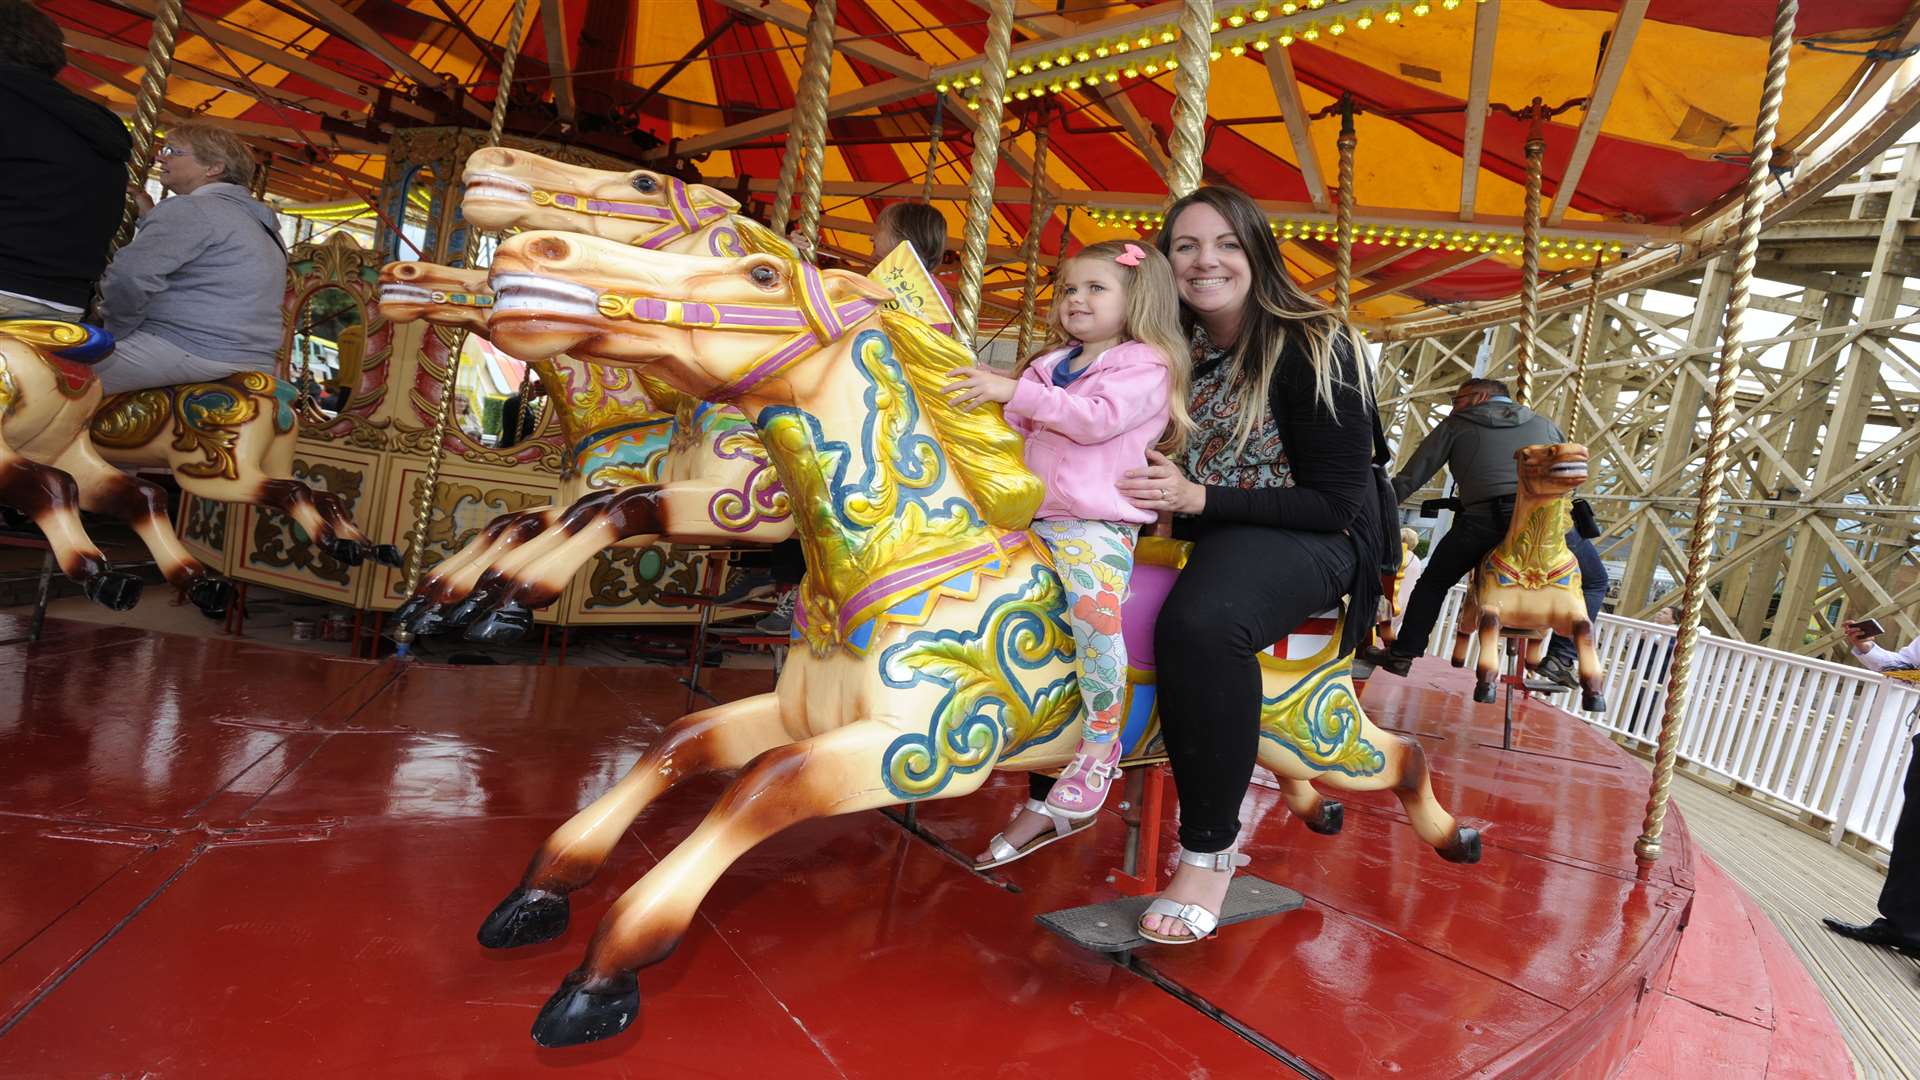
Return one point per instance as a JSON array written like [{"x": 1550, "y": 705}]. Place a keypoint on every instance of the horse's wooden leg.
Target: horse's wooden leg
[
  {"x": 1537, "y": 650},
  {"x": 143, "y": 505},
  {"x": 1486, "y": 670},
  {"x": 336, "y": 515},
  {"x": 838, "y": 772},
  {"x": 295, "y": 499},
  {"x": 455, "y": 578},
  {"x": 50, "y": 497},
  {"x": 1591, "y": 677},
  {"x": 536, "y": 574},
  {"x": 724, "y": 737},
  {"x": 1404, "y": 771},
  {"x": 1317, "y": 812}
]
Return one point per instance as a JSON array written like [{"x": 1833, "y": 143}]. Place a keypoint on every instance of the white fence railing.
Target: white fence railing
[{"x": 1831, "y": 740}]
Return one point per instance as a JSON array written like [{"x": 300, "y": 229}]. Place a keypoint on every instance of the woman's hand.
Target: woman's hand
[
  {"x": 974, "y": 385},
  {"x": 1160, "y": 486},
  {"x": 143, "y": 202}
]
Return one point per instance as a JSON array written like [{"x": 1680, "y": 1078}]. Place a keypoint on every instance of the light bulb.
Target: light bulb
[
  {"x": 1365, "y": 20},
  {"x": 1339, "y": 27},
  {"x": 1393, "y": 13},
  {"x": 1238, "y": 48},
  {"x": 1262, "y": 45}
]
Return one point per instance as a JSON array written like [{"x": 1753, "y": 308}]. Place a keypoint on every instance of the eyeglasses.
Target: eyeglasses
[{"x": 174, "y": 151}]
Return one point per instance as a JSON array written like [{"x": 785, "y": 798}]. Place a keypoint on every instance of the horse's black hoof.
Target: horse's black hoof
[
  {"x": 502, "y": 627},
  {"x": 346, "y": 551},
  {"x": 412, "y": 606},
  {"x": 428, "y": 623},
  {"x": 115, "y": 590},
  {"x": 1485, "y": 694},
  {"x": 1463, "y": 848},
  {"x": 389, "y": 555},
  {"x": 1593, "y": 702},
  {"x": 211, "y": 595},
  {"x": 1329, "y": 821},
  {"x": 464, "y": 612},
  {"x": 525, "y": 917},
  {"x": 585, "y": 1010},
  {"x": 1462, "y": 662}
]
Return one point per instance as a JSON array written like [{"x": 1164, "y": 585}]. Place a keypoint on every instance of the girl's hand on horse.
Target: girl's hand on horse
[
  {"x": 974, "y": 385},
  {"x": 1160, "y": 486}
]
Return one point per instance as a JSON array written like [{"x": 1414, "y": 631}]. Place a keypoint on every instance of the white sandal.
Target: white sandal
[
  {"x": 1000, "y": 851},
  {"x": 1200, "y": 922}
]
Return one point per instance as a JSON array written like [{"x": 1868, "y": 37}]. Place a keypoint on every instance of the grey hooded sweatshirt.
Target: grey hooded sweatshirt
[
  {"x": 1477, "y": 443},
  {"x": 206, "y": 271}
]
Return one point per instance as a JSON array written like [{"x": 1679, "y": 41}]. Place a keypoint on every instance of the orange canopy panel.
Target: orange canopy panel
[{"x": 1652, "y": 107}]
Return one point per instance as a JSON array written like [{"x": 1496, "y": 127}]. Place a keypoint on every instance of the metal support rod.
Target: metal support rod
[
  {"x": 146, "y": 112},
  {"x": 811, "y": 112},
  {"x": 1530, "y": 256},
  {"x": 1587, "y": 328},
  {"x": 1188, "y": 141},
  {"x": 796, "y": 147},
  {"x": 449, "y": 386},
  {"x": 1040, "y": 209},
  {"x": 1343, "y": 218},
  {"x": 991, "y": 97},
  {"x": 1720, "y": 433},
  {"x": 934, "y": 134}
]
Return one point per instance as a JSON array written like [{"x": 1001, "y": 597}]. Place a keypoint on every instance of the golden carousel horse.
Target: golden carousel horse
[
  {"x": 931, "y": 640},
  {"x": 631, "y": 438},
  {"x": 1531, "y": 580},
  {"x": 626, "y": 438},
  {"x": 228, "y": 440}
]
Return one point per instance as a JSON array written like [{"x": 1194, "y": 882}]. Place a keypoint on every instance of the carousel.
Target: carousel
[{"x": 583, "y": 306}]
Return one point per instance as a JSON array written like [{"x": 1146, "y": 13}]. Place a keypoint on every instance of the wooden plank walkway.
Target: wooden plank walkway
[{"x": 1796, "y": 878}]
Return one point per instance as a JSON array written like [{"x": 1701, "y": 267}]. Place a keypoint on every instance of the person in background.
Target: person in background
[
  {"x": 65, "y": 163},
  {"x": 1410, "y": 570},
  {"x": 197, "y": 293},
  {"x": 1898, "y": 927}
]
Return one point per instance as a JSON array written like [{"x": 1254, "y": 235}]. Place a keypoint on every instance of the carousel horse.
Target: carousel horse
[
  {"x": 631, "y": 437},
  {"x": 520, "y": 561},
  {"x": 931, "y": 644},
  {"x": 1531, "y": 581}
]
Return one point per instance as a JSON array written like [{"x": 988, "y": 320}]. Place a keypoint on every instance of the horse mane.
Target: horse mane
[
  {"x": 986, "y": 455},
  {"x": 757, "y": 239}
]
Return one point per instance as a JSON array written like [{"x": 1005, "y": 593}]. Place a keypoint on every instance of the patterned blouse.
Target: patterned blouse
[{"x": 1209, "y": 457}]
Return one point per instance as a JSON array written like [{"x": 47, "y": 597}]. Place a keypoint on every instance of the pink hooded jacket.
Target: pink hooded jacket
[{"x": 1082, "y": 438}]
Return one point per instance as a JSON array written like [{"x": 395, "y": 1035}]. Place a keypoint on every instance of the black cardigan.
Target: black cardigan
[{"x": 1331, "y": 455}]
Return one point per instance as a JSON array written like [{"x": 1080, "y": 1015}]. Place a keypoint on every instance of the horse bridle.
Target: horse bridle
[
  {"x": 677, "y": 219},
  {"x": 816, "y": 322}
]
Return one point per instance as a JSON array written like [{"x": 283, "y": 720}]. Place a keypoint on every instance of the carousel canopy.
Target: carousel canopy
[{"x": 1648, "y": 109}]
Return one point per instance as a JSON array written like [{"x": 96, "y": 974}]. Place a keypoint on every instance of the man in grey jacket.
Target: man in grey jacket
[
  {"x": 197, "y": 293},
  {"x": 1477, "y": 442}
]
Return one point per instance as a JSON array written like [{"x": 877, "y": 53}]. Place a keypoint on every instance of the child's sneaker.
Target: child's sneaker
[{"x": 1084, "y": 786}]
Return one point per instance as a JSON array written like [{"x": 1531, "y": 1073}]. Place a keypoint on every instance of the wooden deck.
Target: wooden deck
[{"x": 1797, "y": 878}]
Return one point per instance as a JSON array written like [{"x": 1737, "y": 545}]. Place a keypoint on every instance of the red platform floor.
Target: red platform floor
[{"x": 223, "y": 859}]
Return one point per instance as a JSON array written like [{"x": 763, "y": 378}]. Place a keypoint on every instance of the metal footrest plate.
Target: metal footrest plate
[{"x": 1114, "y": 925}]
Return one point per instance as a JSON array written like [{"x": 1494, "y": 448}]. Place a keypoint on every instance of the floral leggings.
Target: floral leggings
[{"x": 1095, "y": 561}]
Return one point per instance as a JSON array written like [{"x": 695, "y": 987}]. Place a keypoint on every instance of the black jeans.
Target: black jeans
[
  {"x": 1476, "y": 530},
  {"x": 1900, "y": 897},
  {"x": 1244, "y": 588}
]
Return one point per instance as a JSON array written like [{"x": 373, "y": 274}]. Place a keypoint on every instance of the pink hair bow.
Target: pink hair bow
[{"x": 1131, "y": 256}]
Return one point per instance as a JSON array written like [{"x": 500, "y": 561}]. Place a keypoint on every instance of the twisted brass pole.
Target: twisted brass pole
[
  {"x": 991, "y": 94},
  {"x": 1343, "y": 218},
  {"x": 1190, "y": 97},
  {"x": 1530, "y": 256},
  {"x": 1039, "y": 210},
  {"x": 1587, "y": 328},
  {"x": 812, "y": 115},
  {"x": 146, "y": 112},
  {"x": 1720, "y": 432},
  {"x": 795, "y": 150},
  {"x": 934, "y": 134},
  {"x": 443, "y": 415}
]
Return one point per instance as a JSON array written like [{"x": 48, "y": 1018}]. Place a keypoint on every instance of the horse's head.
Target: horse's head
[
  {"x": 1550, "y": 471},
  {"x": 722, "y": 328},
  {"x": 448, "y": 295},
  {"x": 514, "y": 189}
]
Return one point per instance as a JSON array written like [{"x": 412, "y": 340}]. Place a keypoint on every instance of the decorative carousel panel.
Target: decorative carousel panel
[
  {"x": 465, "y": 499},
  {"x": 336, "y": 337},
  {"x": 272, "y": 550},
  {"x": 206, "y": 530},
  {"x": 626, "y": 585},
  {"x": 487, "y": 378}
]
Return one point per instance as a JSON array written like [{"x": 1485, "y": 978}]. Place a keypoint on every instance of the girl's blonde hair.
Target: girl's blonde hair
[{"x": 1153, "y": 317}]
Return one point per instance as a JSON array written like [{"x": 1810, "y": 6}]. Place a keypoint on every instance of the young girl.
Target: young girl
[{"x": 1111, "y": 383}]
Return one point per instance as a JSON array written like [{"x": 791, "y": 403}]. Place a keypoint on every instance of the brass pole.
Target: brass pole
[
  {"x": 934, "y": 134},
  {"x": 1190, "y": 97},
  {"x": 991, "y": 96},
  {"x": 146, "y": 112},
  {"x": 443, "y": 416},
  {"x": 1587, "y": 327},
  {"x": 1040, "y": 209},
  {"x": 811, "y": 114},
  {"x": 1720, "y": 432},
  {"x": 1343, "y": 218},
  {"x": 1530, "y": 255}
]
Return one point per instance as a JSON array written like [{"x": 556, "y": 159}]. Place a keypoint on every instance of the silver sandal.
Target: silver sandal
[
  {"x": 1200, "y": 922},
  {"x": 1000, "y": 851}
]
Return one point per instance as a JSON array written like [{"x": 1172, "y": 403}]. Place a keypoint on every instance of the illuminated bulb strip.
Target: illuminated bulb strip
[{"x": 1431, "y": 238}]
